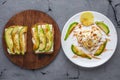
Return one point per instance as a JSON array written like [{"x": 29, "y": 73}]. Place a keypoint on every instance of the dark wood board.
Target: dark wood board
[{"x": 31, "y": 60}]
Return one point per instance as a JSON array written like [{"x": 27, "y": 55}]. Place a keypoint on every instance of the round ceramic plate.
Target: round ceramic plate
[{"x": 84, "y": 62}]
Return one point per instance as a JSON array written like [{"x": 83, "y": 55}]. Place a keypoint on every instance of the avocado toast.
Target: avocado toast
[
  {"x": 42, "y": 38},
  {"x": 16, "y": 39}
]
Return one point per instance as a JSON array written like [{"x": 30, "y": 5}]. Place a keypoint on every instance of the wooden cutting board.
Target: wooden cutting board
[{"x": 31, "y": 60}]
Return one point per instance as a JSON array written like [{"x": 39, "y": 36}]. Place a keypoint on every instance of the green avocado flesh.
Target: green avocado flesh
[
  {"x": 15, "y": 36},
  {"x": 23, "y": 41},
  {"x": 71, "y": 27},
  {"x": 48, "y": 35},
  {"x": 100, "y": 49},
  {"x": 36, "y": 42},
  {"x": 42, "y": 38},
  {"x": 8, "y": 39},
  {"x": 103, "y": 26},
  {"x": 79, "y": 52}
]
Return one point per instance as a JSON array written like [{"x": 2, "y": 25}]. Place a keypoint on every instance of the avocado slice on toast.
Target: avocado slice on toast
[
  {"x": 35, "y": 37},
  {"x": 8, "y": 39},
  {"x": 42, "y": 38},
  {"x": 49, "y": 37},
  {"x": 23, "y": 39},
  {"x": 16, "y": 39}
]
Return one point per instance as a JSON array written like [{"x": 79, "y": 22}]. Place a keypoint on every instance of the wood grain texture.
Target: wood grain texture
[{"x": 31, "y": 60}]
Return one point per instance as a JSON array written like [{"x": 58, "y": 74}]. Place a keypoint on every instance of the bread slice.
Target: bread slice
[{"x": 44, "y": 37}]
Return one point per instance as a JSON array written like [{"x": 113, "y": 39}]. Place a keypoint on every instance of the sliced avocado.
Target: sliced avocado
[
  {"x": 22, "y": 35},
  {"x": 79, "y": 52},
  {"x": 42, "y": 38},
  {"x": 49, "y": 36},
  {"x": 103, "y": 26},
  {"x": 71, "y": 27},
  {"x": 15, "y": 36},
  {"x": 36, "y": 42},
  {"x": 8, "y": 39},
  {"x": 100, "y": 49}
]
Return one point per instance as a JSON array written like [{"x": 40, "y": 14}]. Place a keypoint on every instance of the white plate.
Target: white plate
[{"x": 105, "y": 56}]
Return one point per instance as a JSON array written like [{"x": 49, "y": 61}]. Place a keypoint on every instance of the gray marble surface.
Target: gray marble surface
[{"x": 61, "y": 68}]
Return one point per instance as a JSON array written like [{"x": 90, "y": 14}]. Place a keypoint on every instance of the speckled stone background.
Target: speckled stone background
[{"x": 61, "y": 68}]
